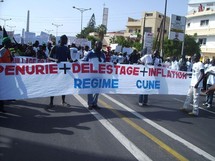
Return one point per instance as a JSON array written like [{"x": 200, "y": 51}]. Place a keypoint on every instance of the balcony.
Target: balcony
[
  {"x": 201, "y": 32},
  {"x": 196, "y": 13},
  {"x": 205, "y": 49}
]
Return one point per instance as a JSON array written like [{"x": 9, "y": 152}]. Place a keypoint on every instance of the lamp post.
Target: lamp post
[
  {"x": 164, "y": 23},
  {"x": 5, "y": 19},
  {"x": 56, "y": 25},
  {"x": 11, "y": 27},
  {"x": 82, "y": 10},
  {"x": 48, "y": 31}
]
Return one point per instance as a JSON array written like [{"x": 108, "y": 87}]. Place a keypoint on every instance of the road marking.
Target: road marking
[
  {"x": 131, "y": 147},
  {"x": 146, "y": 133},
  {"x": 199, "y": 106},
  {"x": 165, "y": 131}
]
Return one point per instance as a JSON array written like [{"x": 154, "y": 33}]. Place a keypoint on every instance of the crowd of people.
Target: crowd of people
[{"x": 202, "y": 73}]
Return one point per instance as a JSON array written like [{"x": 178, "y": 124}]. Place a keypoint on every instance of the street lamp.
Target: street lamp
[
  {"x": 5, "y": 19},
  {"x": 82, "y": 10},
  {"x": 56, "y": 25},
  {"x": 48, "y": 31},
  {"x": 11, "y": 27}
]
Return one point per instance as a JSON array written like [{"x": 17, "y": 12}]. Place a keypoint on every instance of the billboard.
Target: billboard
[{"x": 177, "y": 28}]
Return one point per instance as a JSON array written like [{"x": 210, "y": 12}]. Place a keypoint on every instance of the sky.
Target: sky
[{"x": 61, "y": 12}]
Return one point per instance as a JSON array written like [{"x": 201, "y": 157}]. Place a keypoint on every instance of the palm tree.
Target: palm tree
[{"x": 101, "y": 30}]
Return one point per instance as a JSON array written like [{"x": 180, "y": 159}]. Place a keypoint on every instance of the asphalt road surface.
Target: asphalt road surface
[{"x": 120, "y": 131}]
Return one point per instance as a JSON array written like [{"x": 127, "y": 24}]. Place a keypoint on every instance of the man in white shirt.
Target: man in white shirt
[
  {"x": 145, "y": 60},
  {"x": 174, "y": 64},
  {"x": 195, "y": 87},
  {"x": 210, "y": 74},
  {"x": 75, "y": 55}
]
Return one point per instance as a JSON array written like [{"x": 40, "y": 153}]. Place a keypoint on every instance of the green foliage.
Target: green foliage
[
  {"x": 92, "y": 22},
  {"x": 92, "y": 39},
  {"x": 85, "y": 32},
  {"x": 173, "y": 48},
  {"x": 101, "y": 30}
]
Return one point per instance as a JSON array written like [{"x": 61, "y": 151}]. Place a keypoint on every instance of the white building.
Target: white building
[{"x": 201, "y": 21}]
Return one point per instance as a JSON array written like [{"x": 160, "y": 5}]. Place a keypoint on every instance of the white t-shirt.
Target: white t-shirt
[
  {"x": 120, "y": 59},
  {"x": 175, "y": 65},
  {"x": 114, "y": 58},
  {"x": 146, "y": 59},
  {"x": 211, "y": 77},
  {"x": 75, "y": 55},
  {"x": 196, "y": 73}
]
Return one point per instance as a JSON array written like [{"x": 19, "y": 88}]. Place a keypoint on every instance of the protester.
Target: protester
[
  {"x": 156, "y": 58},
  {"x": 5, "y": 57},
  {"x": 195, "y": 86},
  {"x": 41, "y": 53},
  {"x": 30, "y": 51},
  {"x": 95, "y": 56},
  {"x": 189, "y": 65},
  {"x": 125, "y": 58},
  {"x": 86, "y": 50},
  {"x": 174, "y": 63},
  {"x": 210, "y": 75},
  {"x": 60, "y": 53},
  {"x": 75, "y": 55},
  {"x": 212, "y": 88},
  {"x": 145, "y": 60},
  {"x": 114, "y": 58},
  {"x": 134, "y": 57}
]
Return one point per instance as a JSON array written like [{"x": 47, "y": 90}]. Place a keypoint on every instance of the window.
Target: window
[
  {"x": 148, "y": 29},
  {"x": 202, "y": 41},
  {"x": 204, "y": 22},
  {"x": 130, "y": 31},
  {"x": 188, "y": 24},
  {"x": 149, "y": 14}
]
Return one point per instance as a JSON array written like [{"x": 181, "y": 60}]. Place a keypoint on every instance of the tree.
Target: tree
[
  {"x": 101, "y": 30},
  {"x": 92, "y": 39},
  {"x": 85, "y": 32},
  {"x": 173, "y": 48},
  {"x": 92, "y": 22},
  {"x": 191, "y": 46}
]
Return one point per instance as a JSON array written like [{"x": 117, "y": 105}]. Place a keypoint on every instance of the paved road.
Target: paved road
[{"x": 119, "y": 131}]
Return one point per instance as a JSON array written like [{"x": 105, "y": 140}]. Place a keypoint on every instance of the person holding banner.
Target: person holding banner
[
  {"x": 195, "y": 87},
  {"x": 145, "y": 60},
  {"x": 5, "y": 57},
  {"x": 210, "y": 89},
  {"x": 60, "y": 53},
  {"x": 95, "y": 56},
  {"x": 156, "y": 59},
  {"x": 210, "y": 80}
]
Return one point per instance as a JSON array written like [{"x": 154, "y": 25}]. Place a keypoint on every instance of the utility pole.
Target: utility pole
[
  {"x": 82, "y": 10},
  {"x": 164, "y": 23},
  {"x": 56, "y": 25},
  {"x": 5, "y": 19}
]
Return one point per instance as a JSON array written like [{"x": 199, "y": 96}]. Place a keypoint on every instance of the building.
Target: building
[
  {"x": 111, "y": 36},
  {"x": 201, "y": 21},
  {"x": 150, "y": 22}
]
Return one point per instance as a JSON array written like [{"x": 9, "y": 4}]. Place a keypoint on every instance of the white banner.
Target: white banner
[{"x": 21, "y": 81}]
